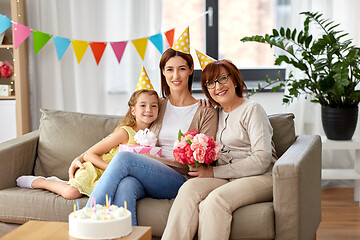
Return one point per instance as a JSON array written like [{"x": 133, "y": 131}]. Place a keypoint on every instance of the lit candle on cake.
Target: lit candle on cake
[
  {"x": 125, "y": 206},
  {"x": 74, "y": 209}
]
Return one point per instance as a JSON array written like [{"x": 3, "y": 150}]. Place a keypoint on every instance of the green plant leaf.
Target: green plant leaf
[
  {"x": 275, "y": 33},
  {"x": 293, "y": 35},
  {"x": 180, "y": 134},
  {"x": 282, "y": 32},
  {"x": 288, "y": 33}
]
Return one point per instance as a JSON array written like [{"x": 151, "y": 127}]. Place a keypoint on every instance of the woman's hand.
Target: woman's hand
[
  {"x": 204, "y": 102},
  {"x": 75, "y": 164},
  {"x": 201, "y": 171}
]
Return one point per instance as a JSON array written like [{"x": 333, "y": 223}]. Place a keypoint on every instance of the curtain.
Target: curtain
[
  {"x": 87, "y": 87},
  {"x": 308, "y": 115}
]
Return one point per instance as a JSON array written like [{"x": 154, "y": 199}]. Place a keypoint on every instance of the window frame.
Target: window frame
[{"x": 252, "y": 76}]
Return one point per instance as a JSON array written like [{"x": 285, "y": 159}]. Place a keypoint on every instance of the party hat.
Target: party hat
[
  {"x": 183, "y": 43},
  {"x": 144, "y": 81},
  {"x": 203, "y": 59}
]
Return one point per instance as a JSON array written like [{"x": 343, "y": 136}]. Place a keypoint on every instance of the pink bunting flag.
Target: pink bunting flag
[
  {"x": 21, "y": 32},
  {"x": 119, "y": 48}
]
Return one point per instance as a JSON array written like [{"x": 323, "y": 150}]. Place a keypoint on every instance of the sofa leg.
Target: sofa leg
[{"x": 314, "y": 237}]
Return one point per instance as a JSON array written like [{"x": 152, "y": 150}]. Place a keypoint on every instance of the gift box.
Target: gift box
[{"x": 155, "y": 151}]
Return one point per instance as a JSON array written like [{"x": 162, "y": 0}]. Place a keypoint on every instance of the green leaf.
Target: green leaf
[
  {"x": 293, "y": 35},
  {"x": 180, "y": 134},
  {"x": 197, "y": 164},
  {"x": 308, "y": 41},
  {"x": 189, "y": 142},
  {"x": 275, "y": 33},
  {"x": 282, "y": 31},
  {"x": 288, "y": 33},
  {"x": 281, "y": 58},
  {"x": 300, "y": 37}
]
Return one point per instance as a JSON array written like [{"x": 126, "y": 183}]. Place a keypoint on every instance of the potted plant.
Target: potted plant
[{"x": 330, "y": 66}]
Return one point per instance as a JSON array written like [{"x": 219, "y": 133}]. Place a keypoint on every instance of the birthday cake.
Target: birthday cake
[{"x": 100, "y": 222}]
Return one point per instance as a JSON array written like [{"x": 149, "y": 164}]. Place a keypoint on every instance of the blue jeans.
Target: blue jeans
[{"x": 131, "y": 177}]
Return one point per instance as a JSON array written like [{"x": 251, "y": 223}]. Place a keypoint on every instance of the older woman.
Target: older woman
[
  {"x": 131, "y": 176},
  {"x": 243, "y": 172}
]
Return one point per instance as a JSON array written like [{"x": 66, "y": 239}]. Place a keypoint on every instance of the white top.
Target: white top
[{"x": 175, "y": 119}]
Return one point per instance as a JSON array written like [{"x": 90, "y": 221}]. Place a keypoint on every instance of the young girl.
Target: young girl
[{"x": 143, "y": 110}]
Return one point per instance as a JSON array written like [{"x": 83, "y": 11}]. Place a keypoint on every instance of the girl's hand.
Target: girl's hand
[
  {"x": 75, "y": 164},
  {"x": 202, "y": 171}
]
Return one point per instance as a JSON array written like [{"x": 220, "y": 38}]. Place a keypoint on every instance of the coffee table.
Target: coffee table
[{"x": 39, "y": 230}]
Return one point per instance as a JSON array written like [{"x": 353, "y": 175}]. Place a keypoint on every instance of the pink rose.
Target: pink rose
[
  {"x": 202, "y": 139},
  {"x": 179, "y": 155},
  {"x": 188, "y": 151},
  {"x": 199, "y": 154},
  {"x": 191, "y": 132}
]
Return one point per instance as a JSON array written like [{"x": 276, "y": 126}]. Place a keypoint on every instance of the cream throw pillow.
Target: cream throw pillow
[
  {"x": 65, "y": 135},
  {"x": 283, "y": 131}
]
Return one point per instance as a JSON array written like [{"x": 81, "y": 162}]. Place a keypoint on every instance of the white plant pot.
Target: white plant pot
[{"x": 2, "y": 37}]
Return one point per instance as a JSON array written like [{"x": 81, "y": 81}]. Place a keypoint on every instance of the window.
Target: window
[{"x": 220, "y": 36}]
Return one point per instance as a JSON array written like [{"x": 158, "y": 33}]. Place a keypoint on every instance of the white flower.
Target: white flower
[{"x": 145, "y": 138}]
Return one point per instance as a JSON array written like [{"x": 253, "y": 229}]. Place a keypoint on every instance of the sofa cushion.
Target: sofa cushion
[
  {"x": 65, "y": 135},
  {"x": 19, "y": 205},
  {"x": 283, "y": 131},
  {"x": 255, "y": 221}
]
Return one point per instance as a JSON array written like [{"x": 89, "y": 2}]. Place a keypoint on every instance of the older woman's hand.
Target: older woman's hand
[
  {"x": 204, "y": 103},
  {"x": 75, "y": 164},
  {"x": 202, "y": 171}
]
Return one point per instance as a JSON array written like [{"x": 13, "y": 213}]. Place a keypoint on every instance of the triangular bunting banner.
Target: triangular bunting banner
[
  {"x": 61, "y": 45},
  {"x": 40, "y": 39},
  {"x": 157, "y": 40},
  {"x": 98, "y": 49},
  {"x": 79, "y": 48},
  {"x": 21, "y": 32},
  {"x": 5, "y": 23},
  {"x": 119, "y": 48},
  {"x": 140, "y": 45},
  {"x": 170, "y": 36}
]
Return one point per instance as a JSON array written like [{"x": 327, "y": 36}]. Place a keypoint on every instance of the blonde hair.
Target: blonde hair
[{"x": 129, "y": 119}]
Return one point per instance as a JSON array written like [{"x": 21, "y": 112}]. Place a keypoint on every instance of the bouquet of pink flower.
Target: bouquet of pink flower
[{"x": 193, "y": 148}]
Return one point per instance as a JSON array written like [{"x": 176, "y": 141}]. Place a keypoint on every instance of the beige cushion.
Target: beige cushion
[
  {"x": 283, "y": 131},
  {"x": 65, "y": 135},
  {"x": 19, "y": 205}
]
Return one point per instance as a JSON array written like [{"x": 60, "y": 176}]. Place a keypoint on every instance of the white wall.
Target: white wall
[{"x": 7, "y": 120}]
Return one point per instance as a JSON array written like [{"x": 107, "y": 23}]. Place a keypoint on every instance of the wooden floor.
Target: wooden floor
[{"x": 340, "y": 215}]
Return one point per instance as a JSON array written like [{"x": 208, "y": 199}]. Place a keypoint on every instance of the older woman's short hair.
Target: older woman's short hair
[{"x": 212, "y": 71}]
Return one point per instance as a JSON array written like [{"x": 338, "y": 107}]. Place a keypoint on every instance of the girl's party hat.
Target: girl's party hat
[{"x": 144, "y": 81}]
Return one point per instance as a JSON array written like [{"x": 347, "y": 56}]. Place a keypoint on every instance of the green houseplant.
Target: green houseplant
[{"x": 330, "y": 67}]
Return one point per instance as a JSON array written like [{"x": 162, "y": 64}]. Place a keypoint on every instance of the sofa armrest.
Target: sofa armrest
[
  {"x": 17, "y": 157},
  {"x": 297, "y": 189}
]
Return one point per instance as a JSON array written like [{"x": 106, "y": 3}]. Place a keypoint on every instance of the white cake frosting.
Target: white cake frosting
[{"x": 102, "y": 223}]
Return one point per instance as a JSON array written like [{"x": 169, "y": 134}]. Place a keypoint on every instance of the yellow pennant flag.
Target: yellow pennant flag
[
  {"x": 140, "y": 45},
  {"x": 79, "y": 48}
]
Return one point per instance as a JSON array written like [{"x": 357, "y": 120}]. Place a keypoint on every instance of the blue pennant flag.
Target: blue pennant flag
[
  {"x": 157, "y": 40},
  {"x": 61, "y": 45},
  {"x": 5, "y": 23}
]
